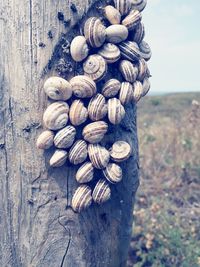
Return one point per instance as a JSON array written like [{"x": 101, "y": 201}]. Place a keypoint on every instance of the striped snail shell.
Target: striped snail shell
[
  {"x": 142, "y": 69},
  {"x": 85, "y": 173},
  {"x": 132, "y": 19},
  {"x": 113, "y": 173},
  {"x": 78, "y": 152},
  {"x": 65, "y": 137},
  {"x": 59, "y": 158},
  {"x": 145, "y": 50},
  {"x": 99, "y": 156},
  {"x": 138, "y": 4},
  {"x": 55, "y": 116},
  {"x": 123, "y": 6},
  {"x": 126, "y": 93},
  {"x": 95, "y": 67},
  {"x": 137, "y": 91},
  {"x": 120, "y": 151},
  {"x": 112, "y": 14},
  {"x": 83, "y": 86},
  {"x": 58, "y": 88},
  {"x": 110, "y": 52},
  {"x": 138, "y": 34},
  {"x": 95, "y": 32},
  {"x": 94, "y": 132},
  {"x": 111, "y": 88},
  {"x": 116, "y": 111},
  {"x": 146, "y": 86},
  {"x": 45, "y": 140},
  {"x": 79, "y": 48},
  {"x": 101, "y": 192},
  {"x": 116, "y": 33},
  {"x": 82, "y": 198},
  {"x": 130, "y": 50},
  {"x": 97, "y": 108},
  {"x": 78, "y": 113},
  {"x": 128, "y": 70}
]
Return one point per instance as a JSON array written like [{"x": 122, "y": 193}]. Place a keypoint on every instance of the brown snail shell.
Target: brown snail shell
[
  {"x": 123, "y": 6},
  {"x": 99, "y": 156},
  {"x": 111, "y": 88},
  {"x": 94, "y": 132},
  {"x": 45, "y": 140},
  {"x": 138, "y": 4},
  {"x": 83, "y": 86},
  {"x": 58, "y": 88},
  {"x": 79, "y": 48},
  {"x": 110, "y": 52},
  {"x": 137, "y": 91},
  {"x": 138, "y": 34},
  {"x": 95, "y": 67},
  {"x": 142, "y": 70},
  {"x": 64, "y": 138},
  {"x": 130, "y": 50},
  {"x": 55, "y": 116},
  {"x": 94, "y": 32},
  {"x": 97, "y": 108},
  {"x": 116, "y": 111},
  {"x": 112, "y": 14},
  {"x": 78, "y": 113},
  {"x": 113, "y": 173},
  {"x": 145, "y": 50},
  {"x": 101, "y": 192},
  {"x": 116, "y": 33},
  {"x": 120, "y": 151},
  {"x": 82, "y": 198},
  {"x": 78, "y": 152},
  {"x": 59, "y": 158},
  {"x": 126, "y": 93},
  {"x": 132, "y": 19},
  {"x": 128, "y": 70},
  {"x": 85, "y": 173},
  {"x": 146, "y": 86}
]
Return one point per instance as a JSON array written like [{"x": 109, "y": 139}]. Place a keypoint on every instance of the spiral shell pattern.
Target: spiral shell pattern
[
  {"x": 78, "y": 113},
  {"x": 130, "y": 50},
  {"x": 97, "y": 108},
  {"x": 120, "y": 151},
  {"x": 83, "y": 86},
  {"x": 95, "y": 67},
  {"x": 113, "y": 173},
  {"x": 45, "y": 140},
  {"x": 99, "y": 156},
  {"x": 132, "y": 19},
  {"x": 123, "y": 6},
  {"x": 82, "y": 198},
  {"x": 139, "y": 4},
  {"x": 116, "y": 111},
  {"x": 94, "y": 132},
  {"x": 128, "y": 70},
  {"x": 101, "y": 192},
  {"x": 112, "y": 14},
  {"x": 126, "y": 94},
  {"x": 111, "y": 88},
  {"x": 78, "y": 152},
  {"x": 58, "y": 158},
  {"x": 110, "y": 53},
  {"x": 85, "y": 173},
  {"x": 65, "y": 137},
  {"x": 137, "y": 91},
  {"x": 116, "y": 33}
]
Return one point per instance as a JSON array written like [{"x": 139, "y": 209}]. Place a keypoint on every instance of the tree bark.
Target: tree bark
[{"x": 38, "y": 228}]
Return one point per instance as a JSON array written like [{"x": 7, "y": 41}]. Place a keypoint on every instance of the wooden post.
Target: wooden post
[{"x": 37, "y": 225}]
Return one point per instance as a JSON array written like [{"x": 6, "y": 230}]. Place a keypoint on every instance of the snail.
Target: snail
[
  {"x": 79, "y": 48},
  {"x": 97, "y": 108},
  {"x": 137, "y": 35},
  {"x": 120, "y": 151},
  {"x": 146, "y": 86},
  {"x": 137, "y": 91},
  {"x": 45, "y": 140},
  {"x": 145, "y": 50},
  {"x": 82, "y": 198},
  {"x": 111, "y": 88},
  {"x": 126, "y": 93},
  {"x": 55, "y": 116},
  {"x": 78, "y": 152},
  {"x": 132, "y": 19},
  {"x": 59, "y": 158},
  {"x": 142, "y": 70},
  {"x": 116, "y": 33},
  {"x": 99, "y": 156},
  {"x": 128, "y": 70},
  {"x": 112, "y": 14},
  {"x": 116, "y": 111},
  {"x": 78, "y": 113},
  {"x": 123, "y": 6},
  {"x": 64, "y": 138},
  {"x": 139, "y": 4},
  {"x": 83, "y": 86},
  {"x": 101, "y": 192},
  {"x": 85, "y": 173},
  {"x": 130, "y": 50},
  {"x": 94, "y": 132},
  {"x": 110, "y": 52},
  {"x": 113, "y": 173},
  {"x": 58, "y": 88}
]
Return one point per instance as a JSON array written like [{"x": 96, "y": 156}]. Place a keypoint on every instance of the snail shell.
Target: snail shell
[
  {"x": 137, "y": 91},
  {"x": 120, "y": 151},
  {"x": 101, "y": 192},
  {"x": 130, "y": 50},
  {"x": 123, "y": 6},
  {"x": 95, "y": 67},
  {"x": 59, "y": 158},
  {"x": 82, "y": 198},
  {"x": 112, "y": 14},
  {"x": 99, "y": 156},
  {"x": 79, "y": 48},
  {"x": 132, "y": 19},
  {"x": 78, "y": 113},
  {"x": 111, "y": 88},
  {"x": 116, "y": 111},
  {"x": 113, "y": 173},
  {"x": 146, "y": 86},
  {"x": 58, "y": 88},
  {"x": 83, "y": 86},
  {"x": 95, "y": 32},
  {"x": 65, "y": 137},
  {"x": 138, "y": 4},
  {"x": 95, "y": 131},
  {"x": 116, "y": 33},
  {"x": 145, "y": 50},
  {"x": 56, "y": 115},
  {"x": 78, "y": 152},
  {"x": 126, "y": 93},
  {"x": 85, "y": 173},
  {"x": 110, "y": 52},
  {"x": 142, "y": 69},
  {"x": 45, "y": 140},
  {"x": 97, "y": 108},
  {"x": 128, "y": 70},
  {"x": 138, "y": 34}
]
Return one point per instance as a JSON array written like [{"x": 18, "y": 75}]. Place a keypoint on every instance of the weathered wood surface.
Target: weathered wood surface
[{"x": 37, "y": 225}]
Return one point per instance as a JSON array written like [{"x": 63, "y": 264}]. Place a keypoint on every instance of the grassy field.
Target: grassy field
[{"x": 166, "y": 231}]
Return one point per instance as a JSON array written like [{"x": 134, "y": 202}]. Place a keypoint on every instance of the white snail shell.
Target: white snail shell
[
  {"x": 116, "y": 111},
  {"x": 126, "y": 94},
  {"x": 45, "y": 140},
  {"x": 116, "y": 33},
  {"x": 111, "y": 88},
  {"x": 78, "y": 113},
  {"x": 132, "y": 19},
  {"x": 128, "y": 70},
  {"x": 99, "y": 156},
  {"x": 101, "y": 192},
  {"x": 145, "y": 50},
  {"x": 112, "y": 14},
  {"x": 123, "y": 6},
  {"x": 85, "y": 173},
  {"x": 120, "y": 151},
  {"x": 142, "y": 70},
  {"x": 110, "y": 52},
  {"x": 138, "y": 33},
  {"x": 79, "y": 48},
  {"x": 130, "y": 50},
  {"x": 64, "y": 138},
  {"x": 59, "y": 158},
  {"x": 78, "y": 152},
  {"x": 138, "y": 4},
  {"x": 83, "y": 86},
  {"x": 97, "y": 108},
  {"x": 113, "y": 173},
  {"x": 146, "y": 86},
  {"x": 137, "y": 91},
  {"x": 82, "y": 198},
  {"x": 94, "y": 132}
]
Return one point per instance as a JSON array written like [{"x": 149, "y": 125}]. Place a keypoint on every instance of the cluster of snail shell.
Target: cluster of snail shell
[{"x": 121, "y": 43}]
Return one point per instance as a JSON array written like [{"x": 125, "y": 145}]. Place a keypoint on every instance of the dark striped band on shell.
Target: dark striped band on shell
[
  {"x": 113, "y": 173},
  {"x": 64, "y": 138},
  {"x": 110, "y": 52},
  {"x": 99, "y": 156},
  {"x": 101, "y": 192},
  {"x": 78, "y": 152},
  {"x": 82, "y": 198},
  {"x": 85, "y": 173},
  {"x": 97, "y": 108},
  {"x": 130, "y": 50}
]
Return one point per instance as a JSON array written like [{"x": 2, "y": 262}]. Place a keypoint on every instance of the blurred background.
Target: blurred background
[{"x": 166, "y": 231}]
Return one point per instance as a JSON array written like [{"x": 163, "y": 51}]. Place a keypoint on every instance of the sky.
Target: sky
[{"x": 173, "y": 32}]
